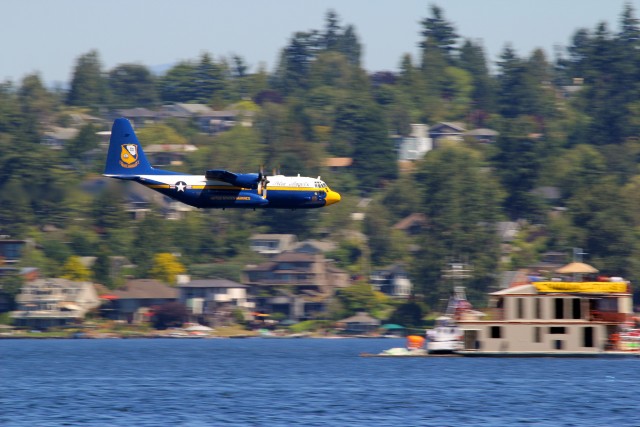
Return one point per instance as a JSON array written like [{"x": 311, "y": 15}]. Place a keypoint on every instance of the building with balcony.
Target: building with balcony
[
  {"x": 392, "y": 281},
  {"x": 299, "y": 285},
  {"x": 212, "y": 301},
  {"x": 46, "y": 303}
]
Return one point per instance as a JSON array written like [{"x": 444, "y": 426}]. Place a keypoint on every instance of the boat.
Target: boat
[
  {"x": 565, "y": 316},
  {"x": 446, "y": 336},
  {"x": 413, "y": 348}
]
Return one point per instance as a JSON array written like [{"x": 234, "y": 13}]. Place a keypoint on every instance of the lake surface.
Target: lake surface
[{"x": 301, "y": 382}]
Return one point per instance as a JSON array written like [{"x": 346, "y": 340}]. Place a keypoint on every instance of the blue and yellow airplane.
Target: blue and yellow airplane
[{"x": 217, "y": 188}]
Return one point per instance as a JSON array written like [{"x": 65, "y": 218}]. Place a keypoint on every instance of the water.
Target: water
[{"x": 301, "y": 382}]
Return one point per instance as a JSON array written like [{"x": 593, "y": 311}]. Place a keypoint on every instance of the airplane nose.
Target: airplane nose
[{"x": 332, "y": 197}]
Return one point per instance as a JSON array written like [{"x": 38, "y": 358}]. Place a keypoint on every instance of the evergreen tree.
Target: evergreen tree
[
  {"x": 461, "y": 201},
  {"x": 472, "y": 59},
  {"x": 177, "y": 85},
  {"x": 132, "y": 85},
  {"x": 88, "y": 85}
]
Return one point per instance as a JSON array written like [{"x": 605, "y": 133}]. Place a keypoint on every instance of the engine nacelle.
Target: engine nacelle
[{"x": 244, "y": 180}]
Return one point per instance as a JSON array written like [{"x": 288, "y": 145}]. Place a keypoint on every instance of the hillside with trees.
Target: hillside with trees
[{"x": 571, "y": 123}]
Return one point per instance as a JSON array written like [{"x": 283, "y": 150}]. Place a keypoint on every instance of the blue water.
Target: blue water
[{"x": 301, "y": 382}]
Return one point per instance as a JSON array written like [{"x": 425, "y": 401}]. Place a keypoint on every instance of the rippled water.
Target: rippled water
[{"x": 301, "y": 382}]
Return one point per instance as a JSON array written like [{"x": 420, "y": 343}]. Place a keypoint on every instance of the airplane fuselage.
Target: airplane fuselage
[{"x": 283, "y": 192}]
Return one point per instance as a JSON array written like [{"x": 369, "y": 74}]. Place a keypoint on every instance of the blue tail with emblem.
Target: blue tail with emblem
[{"x": 125, "y": 158}]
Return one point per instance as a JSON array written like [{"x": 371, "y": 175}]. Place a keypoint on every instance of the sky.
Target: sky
[{"x": 48, "y": 36}]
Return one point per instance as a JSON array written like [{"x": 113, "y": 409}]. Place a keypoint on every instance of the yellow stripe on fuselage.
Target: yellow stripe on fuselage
[{"x": 232, "y": 188}]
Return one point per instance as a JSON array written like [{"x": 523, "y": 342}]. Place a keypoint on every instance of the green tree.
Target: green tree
[
  {"x": 74, "y": 269},
  {"x": 133, "y": 85},
  {"x": 88, "y": 85},
  {"x": 166, "y": 268},
  {"x": 362, "y": 297},
  {"x": 177, "y": 85},
  {"x": 359, "y": 124},
  {"x": 462, "y": 203},
  {"x": 210, "y": 80}
]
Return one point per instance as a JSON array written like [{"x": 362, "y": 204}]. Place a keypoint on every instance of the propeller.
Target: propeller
[{"x": 262, "y": 183}]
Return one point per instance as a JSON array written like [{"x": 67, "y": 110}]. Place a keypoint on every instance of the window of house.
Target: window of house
[
  {"x": 537, "y": 308},
  {"x": 520, "y": 308},
  {"x": 557, "y": 330},
  {"x": 558, "y": 308},
  {"x": 496, "y": 332},
  {"x": 576, "y": 309},
  {"x": 537, "y": 334},
  {"x": 587, "y": 336}
]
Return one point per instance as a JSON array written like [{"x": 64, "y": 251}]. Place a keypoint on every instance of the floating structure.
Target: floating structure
[{"x": 573, "y": 318}]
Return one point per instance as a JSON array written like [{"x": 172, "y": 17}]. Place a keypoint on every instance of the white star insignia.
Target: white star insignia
[{"x": 180, "y": 186}]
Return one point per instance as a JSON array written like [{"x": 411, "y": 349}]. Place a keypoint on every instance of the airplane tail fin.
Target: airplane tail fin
[{"x": 125, "y": 157}]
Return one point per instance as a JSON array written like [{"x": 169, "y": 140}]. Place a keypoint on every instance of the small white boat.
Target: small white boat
[{"x": 445, "y": 337}]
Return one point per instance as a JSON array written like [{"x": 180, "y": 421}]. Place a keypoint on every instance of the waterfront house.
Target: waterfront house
[
  {"x": 135, "y": 301},
  {"x": 299, "y": 285},
  {"x": 45, "y": 303},
  {"x": 212, "y": 301},
  {"x": 361, "y": 323},
  {"x": 392, "y": 281},
  {"x": 551, "y": 318}
]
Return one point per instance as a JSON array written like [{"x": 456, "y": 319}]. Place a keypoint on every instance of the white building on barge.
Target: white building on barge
[{"x": 551, "y": 319}]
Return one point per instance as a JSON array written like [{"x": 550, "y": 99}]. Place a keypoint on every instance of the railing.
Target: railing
[
  {"x": 45, "y": 313},
  {"x": 607, "y": 316}
]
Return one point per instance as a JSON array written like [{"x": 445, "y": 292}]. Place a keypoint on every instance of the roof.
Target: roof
[
  {"x": 411, "y": 220},
  {"x": 294, "y": 257},
  {"x": 520, "y": 289},
  {"x": 273, "y": 237},
  {"x": 62, "y": 133},
  {"x": 453, "y": 126},
  {"x": 169, "y": 148},
  {"x": 137, "y": 112},
  {"x": 482, "y": 132},
  {"x": 199, "y": 109},
  {"x": 317, "y": 245},
  {"x": 146, "y": 289},
  {"x": 577, "y": 267},
  {"x": 363, "y": 318},
  {"x": 212, "y": 283},
  {"x": 338, "y": 162}
]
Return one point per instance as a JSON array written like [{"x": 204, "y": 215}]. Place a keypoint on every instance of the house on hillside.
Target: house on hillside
[
  {"x": 57, "y": 137},
  {"x": 12, "y": 250},
  {"x": 313, "y": 247},
  {"x": 299, "y": 285},
  {"x": 412, "y": 225},
  {"x": 162, "y": 155},
  {"x": 416, "y": 145},
  {"x": 481, "y": 135},
  {"x": 139, "y": 117},
  {"x": 200, "y": 113},
  {"x": 272, "y": 244},
  {"x": 46, "y": 303},
  {"x": 392, "y": 281},
  {"x": 134, "y": 302},
  {"x": 336, "y": 164},
  {"x": 212, "y": 301},
  {"x": 446, "y": 131}
]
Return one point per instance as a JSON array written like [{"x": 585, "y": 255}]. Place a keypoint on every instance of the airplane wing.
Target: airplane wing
[
  {"x": 245, "y": 180},
  {"x": 221, "y": 175}
]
